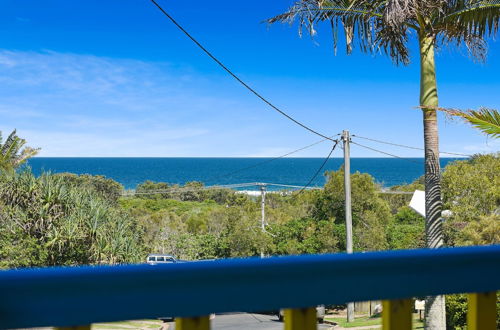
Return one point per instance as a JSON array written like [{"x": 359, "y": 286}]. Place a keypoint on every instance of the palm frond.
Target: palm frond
[
  {"x": 360, "y": 21},
  {"x": 393, "y": 40},
  {"x": 25, "y": 154},
  {"x": 468, "y": 22},
  {"x": 12, "y": 153},
  {"x": 385, "y": 25},
  {"x": 478, "y": 16},
  {"x": 11, "y": 139},
  {"x": 484, "y": 119}
]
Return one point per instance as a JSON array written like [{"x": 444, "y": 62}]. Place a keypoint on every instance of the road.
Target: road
[{"x": 247, "y": 321}]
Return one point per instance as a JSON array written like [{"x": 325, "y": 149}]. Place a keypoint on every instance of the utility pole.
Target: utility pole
[
  {"x": 263, "y": 206},
  {"x": 348, "y": 213},
  {"x": 263, "y": 211}
]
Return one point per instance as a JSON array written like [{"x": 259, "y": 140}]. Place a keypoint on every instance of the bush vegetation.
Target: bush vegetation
[{"x": 45, "y": 221}]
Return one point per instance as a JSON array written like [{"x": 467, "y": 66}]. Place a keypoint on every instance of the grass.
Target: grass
[
  {"x": 358, "y": 321},
  {"x": 364, "y": 321}
]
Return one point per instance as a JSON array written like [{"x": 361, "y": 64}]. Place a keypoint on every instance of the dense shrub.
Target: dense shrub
[
  {"x": 193, "y": 191},
  {"x": 471, "y": 190},
  {"x": 456, "y": 311},
  {"x": 105, "y": 187},
  {"x": 45, "y": 221},
  {"x": 302, "y": 236}
]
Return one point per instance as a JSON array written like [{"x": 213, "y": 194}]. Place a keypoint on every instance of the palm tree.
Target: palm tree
[
  {"x": 484, "y": 119},
  {"x": 388, "y": 25},
  {"x": 12, "y": 154}
]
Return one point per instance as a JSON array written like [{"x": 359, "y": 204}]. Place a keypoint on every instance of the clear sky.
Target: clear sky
[{"x": 116, "y": 78}]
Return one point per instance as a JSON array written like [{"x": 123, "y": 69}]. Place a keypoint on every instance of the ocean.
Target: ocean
[{"x": 222, "y": 171}]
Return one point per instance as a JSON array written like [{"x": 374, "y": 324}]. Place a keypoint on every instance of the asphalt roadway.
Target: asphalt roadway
[{"x": 246, "y": 321}]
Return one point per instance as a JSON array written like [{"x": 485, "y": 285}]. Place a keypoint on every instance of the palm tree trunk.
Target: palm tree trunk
[{"x": 435, "y": 317}]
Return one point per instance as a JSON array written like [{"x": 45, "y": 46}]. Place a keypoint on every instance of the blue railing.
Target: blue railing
[{"x": 69, "y": 296}]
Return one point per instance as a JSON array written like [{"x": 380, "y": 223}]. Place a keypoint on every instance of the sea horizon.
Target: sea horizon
[{"x": 298, "y": 171}]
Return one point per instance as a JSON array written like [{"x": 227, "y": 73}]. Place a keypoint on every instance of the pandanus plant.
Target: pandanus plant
[{"x": 388, "y": 26}]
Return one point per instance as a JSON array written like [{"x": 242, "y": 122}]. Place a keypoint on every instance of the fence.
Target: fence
[{"x": 71, "y": 296}]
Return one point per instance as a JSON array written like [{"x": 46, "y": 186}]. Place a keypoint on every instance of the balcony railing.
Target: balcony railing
[{"x": 79, "y": 296}]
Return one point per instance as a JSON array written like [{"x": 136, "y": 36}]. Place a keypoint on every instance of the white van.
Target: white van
[{"x": 155, "y": 259}]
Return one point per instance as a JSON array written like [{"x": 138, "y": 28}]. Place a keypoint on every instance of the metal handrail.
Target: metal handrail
[{"x": 64, "y": 296}]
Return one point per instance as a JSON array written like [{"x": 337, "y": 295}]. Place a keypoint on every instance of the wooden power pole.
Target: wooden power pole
[
  {"x": 263, "y": 211},
  {"x": 348, "y": 212}
]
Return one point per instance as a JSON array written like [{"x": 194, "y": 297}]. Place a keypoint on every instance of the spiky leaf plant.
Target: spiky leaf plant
[{"x": 45, "y": 221}]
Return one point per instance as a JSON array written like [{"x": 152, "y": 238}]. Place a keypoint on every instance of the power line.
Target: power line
[
  {"x": 408, "y": 147},
  {"x": 319, "y": 169},
  {"x": 286, "y": 185},
  {"x": 235, "y": 76},
  {"x": 191, "y": 189},
  {"x": 385, "y": 153},
  {"x": 271, "y": 160},
  {"x": 229, "y": 186}
]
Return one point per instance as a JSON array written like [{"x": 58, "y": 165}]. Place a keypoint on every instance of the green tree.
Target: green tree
[
  {"x": 12, "y": 153},
  {"x": 471, "y": 191},
  {"x": 306, "y": 235},
  {"x": 388, "y": 26},
  {"x": 370, "y": 213}
]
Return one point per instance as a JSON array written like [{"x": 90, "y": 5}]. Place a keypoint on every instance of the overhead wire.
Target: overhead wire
[
  {"x": 272, "y": 159},
  {"x": 237, "y": 185},
  {"x": 405, "y": 146},
  {"x": 319, "y": 169},
  {"x": 191, "y": 189},
  {"x": 253, "y": 91},
  {"x": 386, "y": 153},
  {"x": 188, "y": 189}
]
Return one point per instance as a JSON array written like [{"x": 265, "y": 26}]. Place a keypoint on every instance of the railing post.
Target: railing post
[
  {"x": 300, "y": 319},
  {"x": 78, "y": 327},
  {"x": 193, "y": 323},
  {"x": 482, "y": 311},
  {"x": 396, "y": 314}
]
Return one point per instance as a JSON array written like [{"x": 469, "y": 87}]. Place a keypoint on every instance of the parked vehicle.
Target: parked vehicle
[
  {"x": 154, "y": 259},
  {"x": 320, "y": 314}
]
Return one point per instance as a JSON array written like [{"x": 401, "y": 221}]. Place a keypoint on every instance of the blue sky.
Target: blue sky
[{"x": 115, "y": 78}]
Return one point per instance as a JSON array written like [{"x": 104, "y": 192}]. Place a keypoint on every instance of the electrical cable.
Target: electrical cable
[
  {"x": 319, "y": 169},
  {"x": 190, "y": 189},
  {"x": 405, "y": 146},
  {"x": 386, "y": 153},
  {"x": 270, "y": 160},
  {"x": 238, "y": 185},
  {"x": 235, "y": 76}
]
